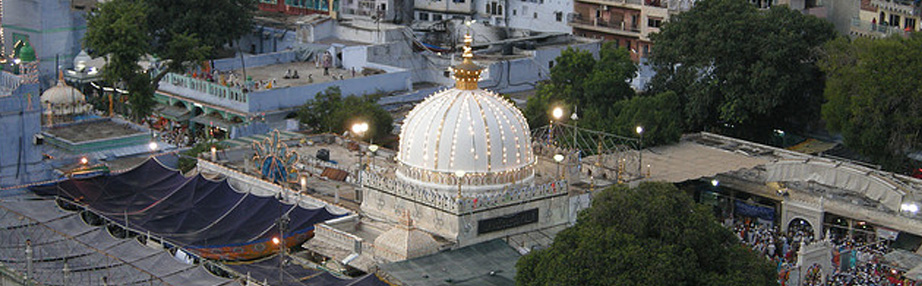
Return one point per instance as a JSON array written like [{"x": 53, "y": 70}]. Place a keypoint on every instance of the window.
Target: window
[
  {"x": 894, "y": 20},
  {"x": 436, "y": 17},
  {"x": 423, "y": 17},
  {"x": 559, "y": 16},
  {"x": 550, "y": 64},
  {"x": 494, "y": 8},
  {"x": 654, "y": 23},
  {"x": 535, "y": 15},
  {"x": 910, "y": 24},
  {"x": 269, "y": 1},
  {"x": 514, "y": 11},
  {"x": 383, "y": 7},
  {"x": 458, "y": 1}
]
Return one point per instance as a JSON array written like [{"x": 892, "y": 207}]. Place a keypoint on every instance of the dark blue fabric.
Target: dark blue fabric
[{"x": 194, "y": 211}]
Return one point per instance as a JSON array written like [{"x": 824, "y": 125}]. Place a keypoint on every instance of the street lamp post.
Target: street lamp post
[
  {"x": 373, "y": 149},
  {"x": 639, "y": 130},
  {"x": 359, "y": 129},
  {"x": 557, "y": 113},
  {"x": 574, "y": 118},
  {"x": 558, "y": 158}
]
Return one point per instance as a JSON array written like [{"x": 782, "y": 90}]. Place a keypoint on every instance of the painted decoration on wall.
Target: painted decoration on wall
[{"x": 274, "y": 160}]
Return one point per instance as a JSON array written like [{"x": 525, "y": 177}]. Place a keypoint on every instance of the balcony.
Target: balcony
[
  {"x": 611, "y": 27},
  {"x": 864, "y": 28},
  {"x": 630, "y": 4},
  {"x": 905, "y": 7}
]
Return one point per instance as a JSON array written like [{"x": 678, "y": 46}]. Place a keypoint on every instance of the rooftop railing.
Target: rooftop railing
[{"x": 207, "y": 87}]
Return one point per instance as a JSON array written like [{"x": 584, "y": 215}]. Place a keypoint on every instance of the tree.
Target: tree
[
  {"x": 734, "y": 65},
  {"x": 606, "y": 101},
  {"x": 874, "y": 96},
  {"x": 127, "y": 30},
  {"x": 187, "y": 159},
  {"x": 650, "y": 235},
  {"x": 329, "y": 111},
  {"x": 660, "y": 115},
  {"x": 214, "y": 22}
]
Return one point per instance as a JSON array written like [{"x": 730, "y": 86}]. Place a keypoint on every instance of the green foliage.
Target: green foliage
[
  {"x": 874, "y": 96},
  {"x": 187, "y": 159},
  {"x": 215, "y": 22},
  {"x": 734, "y": 64},
  {"x": 181, "y": 33},
  {"x": 605, "y": 100},
  {"x": 329, "y": 111},
  {"x": 660, "y": 115},
  {"x": 650, "y": 235}
]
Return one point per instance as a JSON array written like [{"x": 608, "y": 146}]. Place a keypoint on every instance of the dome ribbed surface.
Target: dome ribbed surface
[{"x": 474, "y": 131}]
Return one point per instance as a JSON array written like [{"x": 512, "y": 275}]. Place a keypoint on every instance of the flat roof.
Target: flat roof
[
  {"x": 690, "y": 160},
  {"x": 308, "y": 73},
  {"x": 92, "y": 130},
  {"x": 487, "y": 263}
]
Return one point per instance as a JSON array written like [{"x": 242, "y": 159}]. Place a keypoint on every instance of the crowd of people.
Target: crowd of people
[{"x": 855, "y": 262}]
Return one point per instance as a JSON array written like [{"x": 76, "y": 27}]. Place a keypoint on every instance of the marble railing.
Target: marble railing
[{"x": 470, "y": 200}]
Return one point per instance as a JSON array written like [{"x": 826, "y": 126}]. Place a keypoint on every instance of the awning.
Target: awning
[
  {"x": 173, "y": 112},
  {"x": 211, "y": 120}
]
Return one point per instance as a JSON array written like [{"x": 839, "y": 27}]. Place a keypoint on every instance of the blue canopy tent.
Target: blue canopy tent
[{"x": 206, "y": 217}]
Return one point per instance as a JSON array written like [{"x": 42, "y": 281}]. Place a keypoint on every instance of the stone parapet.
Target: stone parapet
[{"x": 470, "y": 200}]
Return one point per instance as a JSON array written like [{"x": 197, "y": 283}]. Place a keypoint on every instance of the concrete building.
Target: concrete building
[
  {"x": 535, "y": 15},
  {"x": 627, "y": 23},
  {"x": 881, "y": 18},
  {"x": 255, "y": 93},
  {"x": 20, "y": 122},
  {"x": 299, "y": 7},
  {"x": 54, "y": 28}
]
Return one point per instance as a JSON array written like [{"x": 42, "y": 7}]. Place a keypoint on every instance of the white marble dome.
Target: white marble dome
[
  {"x": 469, "y": 130},
  {"x": 64, "y": 99}
]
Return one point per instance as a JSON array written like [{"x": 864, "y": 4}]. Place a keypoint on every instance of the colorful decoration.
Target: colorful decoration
[{"x": 274, "y": 160}]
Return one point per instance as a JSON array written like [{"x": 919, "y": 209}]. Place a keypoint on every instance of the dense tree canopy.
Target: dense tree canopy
[
  {"x": 874, "y": 95},
  {"x": 180, "y": 33},
  {"x": 600, "y": 91},
  {"x": 650, "y": 235},
  {"x": 329, "y": 111},
  {"x": 737, "y": 66}
]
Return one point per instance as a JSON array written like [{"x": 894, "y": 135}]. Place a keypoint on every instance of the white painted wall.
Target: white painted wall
[{"x": 522, "y": 15}]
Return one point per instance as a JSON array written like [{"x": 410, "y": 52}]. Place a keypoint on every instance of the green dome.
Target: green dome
[{"x": 27, "y": 53}]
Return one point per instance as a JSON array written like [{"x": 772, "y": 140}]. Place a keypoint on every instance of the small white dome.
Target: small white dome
[
  {"x": 64, "y": 99},
  {"x": 82, "y": 59}
]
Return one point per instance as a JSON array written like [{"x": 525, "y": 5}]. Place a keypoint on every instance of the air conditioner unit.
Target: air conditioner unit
[{"x": 38, "y": 139}]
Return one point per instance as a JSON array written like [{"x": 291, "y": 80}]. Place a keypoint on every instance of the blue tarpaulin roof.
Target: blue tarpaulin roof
[{"x": 194, "y": 212}]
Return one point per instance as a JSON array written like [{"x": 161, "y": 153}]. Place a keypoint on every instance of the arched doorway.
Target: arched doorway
[{"x": 802, "y": 226}]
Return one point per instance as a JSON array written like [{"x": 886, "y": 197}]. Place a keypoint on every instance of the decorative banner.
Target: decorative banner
[{"x": 761, "y": 212}]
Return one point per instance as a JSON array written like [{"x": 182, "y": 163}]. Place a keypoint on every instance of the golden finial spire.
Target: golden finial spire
[{"x": 467, "y": 74}]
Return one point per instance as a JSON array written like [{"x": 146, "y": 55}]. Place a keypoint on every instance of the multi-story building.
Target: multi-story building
[
  {"x": 54, "y": 28},
  {"x": 879, "y": 18},
  {"x": 536, "y": 15},
  {"x": 627, "y": 23},
  {"x": 299, "y": 7},
  {"x": 438, "y": 10}
]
